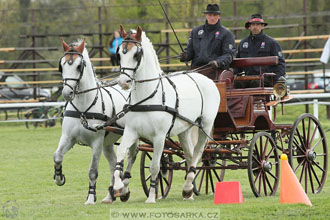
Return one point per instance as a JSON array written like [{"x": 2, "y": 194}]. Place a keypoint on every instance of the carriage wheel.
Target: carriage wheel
[
  {"x": 208, "y": 174},
  {"x": 308, "y": 154},
  {"x": 165, "y": 175},
  {"x": 34, "y": 114},
  {"x": 263, "y": 165}
]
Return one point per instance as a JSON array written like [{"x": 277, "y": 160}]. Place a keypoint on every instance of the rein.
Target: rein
[
  {"x": 137, "y": 107},
  {"x": 167, "y": 76}
]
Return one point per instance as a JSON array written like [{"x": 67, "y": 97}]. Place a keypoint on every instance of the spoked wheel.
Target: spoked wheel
[
  {"x": 263, "y": 165},
  {"x": 308, "y": 153},
  {"x": 33, "y": 115},
  {"x": 165, "y": 174},
  {"x": 208, "y": 173}
]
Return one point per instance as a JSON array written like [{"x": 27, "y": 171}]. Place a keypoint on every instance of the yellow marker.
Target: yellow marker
[{"x": 284, "y": 157}]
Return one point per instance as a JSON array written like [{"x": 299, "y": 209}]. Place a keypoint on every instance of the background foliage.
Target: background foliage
[{"x": 49, "y": 20}]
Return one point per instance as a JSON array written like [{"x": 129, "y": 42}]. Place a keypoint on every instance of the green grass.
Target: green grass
[{"x": 26, "y": 168}]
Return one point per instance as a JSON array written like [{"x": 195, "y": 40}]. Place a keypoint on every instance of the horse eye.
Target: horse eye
[{"x": 79, "y": 67}]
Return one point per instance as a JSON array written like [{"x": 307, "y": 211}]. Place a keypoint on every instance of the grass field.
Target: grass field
[{"x": 26, "y": 176}]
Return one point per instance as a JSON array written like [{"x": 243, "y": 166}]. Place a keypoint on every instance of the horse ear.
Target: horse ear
[
  {"x": 123, "y": 32},
  {"x": 65, "y": 46},
  {"x": 138, "y": 33},
  {"x": 81, "y": 47}
]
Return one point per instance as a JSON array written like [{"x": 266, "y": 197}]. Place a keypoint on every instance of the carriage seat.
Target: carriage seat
[
  {"x": 255, "y": 61},
  {"x": 227, "y": 76}
]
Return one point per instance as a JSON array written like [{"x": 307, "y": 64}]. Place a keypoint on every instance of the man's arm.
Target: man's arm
[
  {"x": 228, "y": 49},
  {"x": 280, "y": 68},
  {"x": 190, "y": 48}
]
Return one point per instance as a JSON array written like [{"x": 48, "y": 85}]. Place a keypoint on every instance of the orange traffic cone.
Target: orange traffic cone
[{"x": 291, "y": 190}]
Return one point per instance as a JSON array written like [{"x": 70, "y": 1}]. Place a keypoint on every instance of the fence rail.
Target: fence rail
[{"x": 101, "y": 67}]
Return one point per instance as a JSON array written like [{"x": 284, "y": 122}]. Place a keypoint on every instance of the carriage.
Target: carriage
[
  {"x": 243, "y": 131},
  {"x": 245, "y": 136}
]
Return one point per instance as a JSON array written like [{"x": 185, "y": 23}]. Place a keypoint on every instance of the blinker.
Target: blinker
[{"x": 125, "y": 48}]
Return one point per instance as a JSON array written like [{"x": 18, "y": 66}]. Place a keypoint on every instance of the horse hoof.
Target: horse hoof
[
  {"x": 112, "y": 193},
  {"x": 187, "y": 194},
  {"x": 59, "y": 182},
  {"x": 125, "y": 197},
  {"x": 150, "y": 201},
  {"x": 89, "y": 203},
  {"x": 117, "y": 192},
  {"x": 107, "y": 201}
]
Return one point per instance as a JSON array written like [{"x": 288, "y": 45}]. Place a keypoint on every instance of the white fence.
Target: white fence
[{"x": 315, "y": 101}]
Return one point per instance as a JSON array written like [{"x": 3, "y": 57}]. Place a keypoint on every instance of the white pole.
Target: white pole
[
  {"x": 316, "y": 108},
  {"x": 316, "y": 113}
]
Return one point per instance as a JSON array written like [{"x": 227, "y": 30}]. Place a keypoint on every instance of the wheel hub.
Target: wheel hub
[
  {"x": 267, "y": 166},
  {"x": 311, "y": 155}
]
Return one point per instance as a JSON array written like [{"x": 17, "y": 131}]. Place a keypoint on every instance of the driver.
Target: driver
[{"x": 210, "y": 43}]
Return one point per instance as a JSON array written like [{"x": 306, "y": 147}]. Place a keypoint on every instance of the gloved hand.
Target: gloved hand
[
  {"x": 183, "y": 56},
  {"x": 214, "y": 64}
]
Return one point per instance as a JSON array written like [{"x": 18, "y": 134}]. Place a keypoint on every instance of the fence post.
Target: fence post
[
  {"x": 316, "y": 108},
  {"x": 316, "y": 113}
]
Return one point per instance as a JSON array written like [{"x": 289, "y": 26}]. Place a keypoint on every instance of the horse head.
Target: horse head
[
  {"x": 130, "y": 54},
  {"x": 71, "y": 66}
]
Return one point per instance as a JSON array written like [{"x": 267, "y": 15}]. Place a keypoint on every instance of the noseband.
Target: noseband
[{"x": 81, "y": 67}]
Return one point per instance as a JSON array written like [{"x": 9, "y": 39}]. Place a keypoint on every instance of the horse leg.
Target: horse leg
[
  {"x": 187, "y": 191},
  {"x": 64, "y": 145},
  {"x": 128, "y": 139},
  {"x": 132, "y": 152},
  {"x": 110, "y": 155},
  {"x": 93, "y": 170},
  {"x": 187, "y": 144},
  {"x": 158, "y": 143}
]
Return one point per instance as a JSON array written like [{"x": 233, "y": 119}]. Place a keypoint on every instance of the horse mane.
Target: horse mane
[{"x": 147, "y": 45}]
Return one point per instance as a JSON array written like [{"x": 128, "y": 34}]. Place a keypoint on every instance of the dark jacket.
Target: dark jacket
[
  {"x": 259, "y": 46},
  {"x": 211, "y": 42}
]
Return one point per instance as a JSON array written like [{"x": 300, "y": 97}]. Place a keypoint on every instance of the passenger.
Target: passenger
[
  {"x": 210, "y": 43},
  {"x": 258, "y": 44},
  {"x": 114, "y": 43}
]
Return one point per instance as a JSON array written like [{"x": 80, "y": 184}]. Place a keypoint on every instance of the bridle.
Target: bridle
[
  {"x": 81, "y": 68},
  {"x": 137, "y": 56},
  {"x": 83, "y": 115}
]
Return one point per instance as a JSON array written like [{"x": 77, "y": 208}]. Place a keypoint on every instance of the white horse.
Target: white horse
[
  {"x": 161, "y": 105},
  {"x": 89, "y": 103}
]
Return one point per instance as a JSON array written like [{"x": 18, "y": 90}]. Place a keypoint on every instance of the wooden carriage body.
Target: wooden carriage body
[
  {"x": 245, "y": 136},
  {"x": 244, "y": 109}
]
